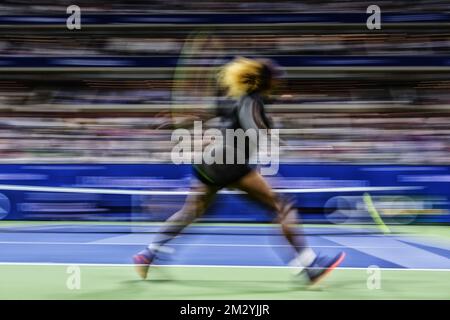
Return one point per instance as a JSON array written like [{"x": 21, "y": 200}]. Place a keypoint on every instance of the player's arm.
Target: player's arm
[{"x": 251, "y": 115}]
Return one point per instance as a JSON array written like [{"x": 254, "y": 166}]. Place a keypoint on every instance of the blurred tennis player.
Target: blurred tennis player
[{"x": 247, "y": 81}]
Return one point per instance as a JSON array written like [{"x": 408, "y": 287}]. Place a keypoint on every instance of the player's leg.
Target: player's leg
[
  {"x": 195, "y": 205},
  {"x": 258, "y": 189},
  {"x": 316, "y": 266},
  {"x": 198, "y": 200}
]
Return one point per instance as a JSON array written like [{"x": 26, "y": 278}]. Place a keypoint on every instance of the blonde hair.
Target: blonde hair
[{"x": 242, "y": 76}]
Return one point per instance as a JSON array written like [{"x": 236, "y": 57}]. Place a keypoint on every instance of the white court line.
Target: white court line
[
  {"x": 186, "y": 192},
  {"x": 198, "y": 266},
  {"x": 182, "y": 244},
  {"x": 200, "y": 225}
]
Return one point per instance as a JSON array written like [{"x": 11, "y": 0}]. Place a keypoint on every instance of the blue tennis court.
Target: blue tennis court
[
  {"x": 240, "y": 245},
  {"x": 217, "y": 261}
]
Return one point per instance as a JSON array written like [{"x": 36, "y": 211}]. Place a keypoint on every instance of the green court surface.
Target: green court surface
[{"x": 120, "y": 282}]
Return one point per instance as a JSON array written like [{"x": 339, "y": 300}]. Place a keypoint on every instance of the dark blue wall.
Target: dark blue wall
[{"x": 428, "y": 202}]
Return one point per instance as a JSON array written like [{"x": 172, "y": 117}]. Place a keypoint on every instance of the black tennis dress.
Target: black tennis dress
[{"x": 247, "y": 113}]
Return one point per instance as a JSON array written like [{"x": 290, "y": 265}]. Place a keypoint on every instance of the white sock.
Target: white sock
[
  {"x": 159, "y": 248},
  {"x": 304, "y": 259}
]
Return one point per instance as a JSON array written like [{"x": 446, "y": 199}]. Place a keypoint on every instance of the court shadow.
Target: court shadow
[
  {"x": 176, "y": 289},
  {"x": 227, "y": 287}
]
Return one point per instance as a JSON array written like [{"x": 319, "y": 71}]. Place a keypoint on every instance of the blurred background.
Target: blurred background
[
  {"x": 86, "y": 176},
  {"x": 96, "y": 107}
]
